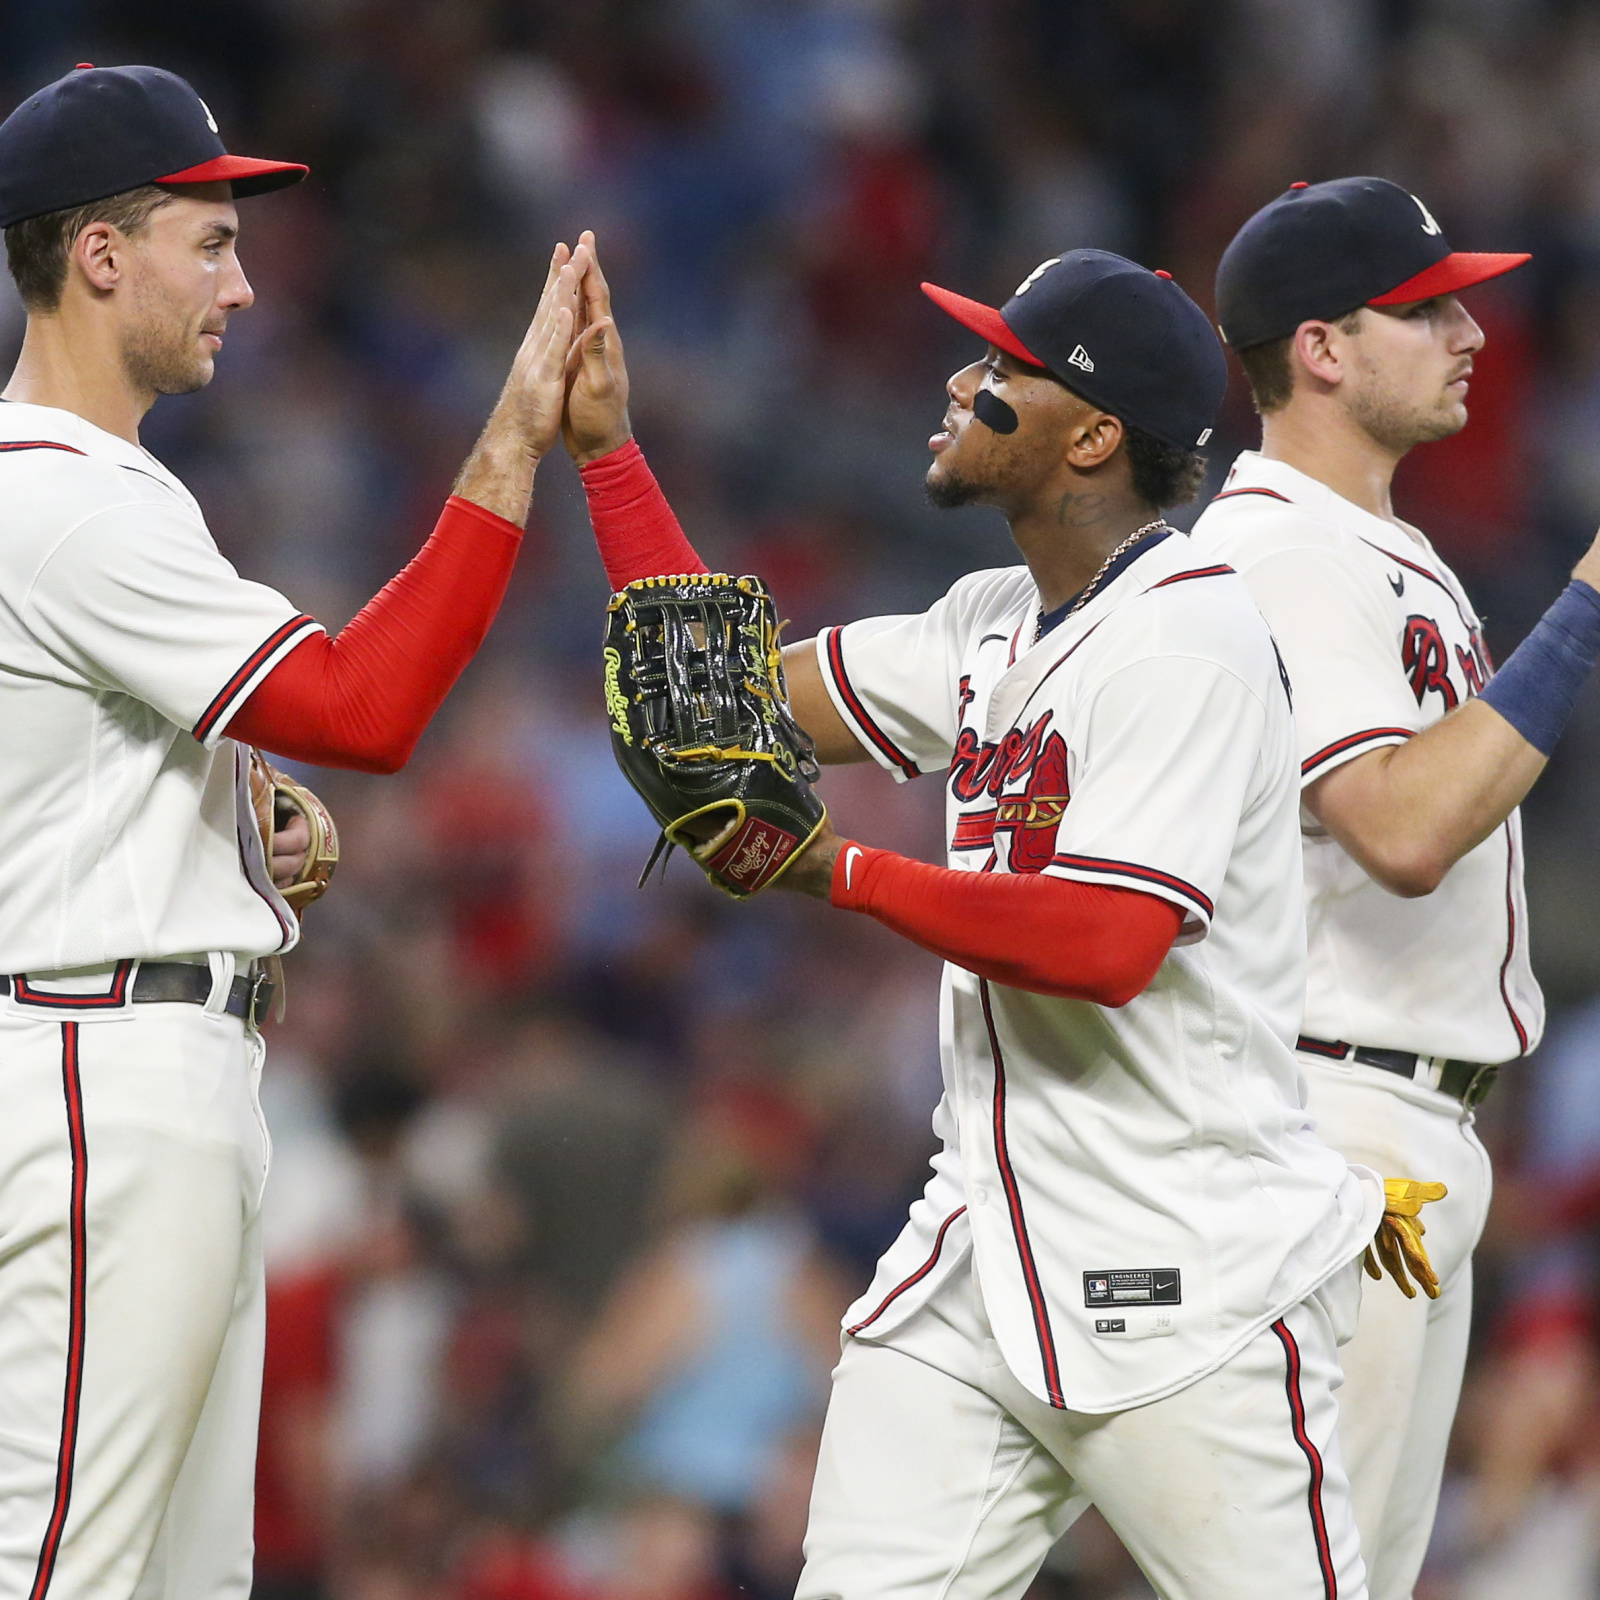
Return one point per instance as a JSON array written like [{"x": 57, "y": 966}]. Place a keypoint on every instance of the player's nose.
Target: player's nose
[
  {"x": 1466, "y": 336},
  {"x": 237, "y": 295},
  {"x": 962, "y": 385}
]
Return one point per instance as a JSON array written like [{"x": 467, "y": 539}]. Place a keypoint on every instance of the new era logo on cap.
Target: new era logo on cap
[{"x": 1080, "y": 359}]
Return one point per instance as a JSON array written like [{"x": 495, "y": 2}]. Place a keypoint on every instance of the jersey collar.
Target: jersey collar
[
  {"x": 1151, "y": 561},
  {"x": 19, "y": 420},
  {"x": 1051, "y": 620},
  {"x": 1253, "y": 471}
]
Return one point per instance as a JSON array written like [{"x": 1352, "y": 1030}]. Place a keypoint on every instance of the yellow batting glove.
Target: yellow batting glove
[{"x": 1398, "y": 1243}]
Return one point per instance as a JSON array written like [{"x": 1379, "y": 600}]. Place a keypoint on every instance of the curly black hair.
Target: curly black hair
[{"x": 1163, "y": 475}]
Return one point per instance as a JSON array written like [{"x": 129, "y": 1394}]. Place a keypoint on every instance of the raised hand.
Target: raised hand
[
  {"x": 535, "y": 391},
  {"x": 596, "y": 420},
  {"x": 526, "y": 420}
]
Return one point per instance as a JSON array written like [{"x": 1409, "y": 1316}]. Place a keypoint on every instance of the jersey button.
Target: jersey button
[{"x": 980, "y": 1197}]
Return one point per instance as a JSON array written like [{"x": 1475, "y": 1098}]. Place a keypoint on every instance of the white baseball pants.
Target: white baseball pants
[
  {"x": 1403, "y": 1368},
  {"x": 132, "y": 1312},
  {"x": 941, "y": 1478}
]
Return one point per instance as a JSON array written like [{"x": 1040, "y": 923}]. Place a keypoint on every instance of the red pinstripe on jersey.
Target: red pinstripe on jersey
[
  {"x": 859, "y": 712},
  {"x": 1350, "y": 742},
  {"x": 1218, "y": 571},
  {"x": 915, "y": 1278},
  {"x": 234, "y": 686},
  {"x": 1105, "y": 866},
  {"x": 116, "y": 995},
  {"x": 1297, "y": 1420},
  {"x": 1019, "y": 1226},
  {"x": 77, "y": 1238},
  {"x": 1271, "y": 494},
  {"x": 1511, "y": 941}
]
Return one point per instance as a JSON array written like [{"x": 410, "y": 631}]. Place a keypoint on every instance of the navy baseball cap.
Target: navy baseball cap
[
  {"x": 101, "y": 131},
  {"x": 1128, "y": 340},
  {"x": 1322, "y": 250}
]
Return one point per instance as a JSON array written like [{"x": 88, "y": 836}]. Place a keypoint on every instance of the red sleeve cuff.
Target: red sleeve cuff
[
  {"x": 854, "y": 869},
  {"x": 487, "y": 518},
  {"x": 1045, "y": 935},
  {"x": 634, "y": 526}
]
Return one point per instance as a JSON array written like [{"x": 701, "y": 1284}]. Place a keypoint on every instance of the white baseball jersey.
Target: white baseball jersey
[
  {"x": 1140, "y": 1186},
  {"x": 126, "y": 644},
  {"x": 1380, "y": 642}
]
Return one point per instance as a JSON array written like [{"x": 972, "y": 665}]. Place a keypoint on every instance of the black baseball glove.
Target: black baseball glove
[{"x": 700, "y": 725}]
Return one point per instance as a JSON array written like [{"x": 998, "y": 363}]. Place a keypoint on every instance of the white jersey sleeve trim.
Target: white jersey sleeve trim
[
  {"x": 1131, "y": 875},
  {"x": 233, "y": 694},
  {"x": 1321, "y": 762},
  {"x": 871, "y": 737}
]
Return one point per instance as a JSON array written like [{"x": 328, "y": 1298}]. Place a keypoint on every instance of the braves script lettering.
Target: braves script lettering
[{"x": 1032, "y": 765}]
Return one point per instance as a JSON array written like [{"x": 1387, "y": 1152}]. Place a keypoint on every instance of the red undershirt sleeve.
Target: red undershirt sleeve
[
  {"x": 361, "y": 699},
  {"x": 1053, "y": 936},
  {"x": 638, "y": 535}
]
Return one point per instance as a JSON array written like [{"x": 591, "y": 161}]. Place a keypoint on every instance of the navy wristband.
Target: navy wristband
[{"x": 1538, "y": 686}]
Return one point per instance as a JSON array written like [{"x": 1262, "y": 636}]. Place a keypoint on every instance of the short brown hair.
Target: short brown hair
[
  {"x": 1268, "y": 369},
  {"x": 37, "y": 249}
]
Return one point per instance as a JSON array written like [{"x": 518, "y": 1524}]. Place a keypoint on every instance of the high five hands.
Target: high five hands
[
  {"x": 596, "y": 419},
  {"x": 567, "y": 381}
]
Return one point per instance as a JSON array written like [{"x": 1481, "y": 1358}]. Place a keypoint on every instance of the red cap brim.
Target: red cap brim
[
  {"x": 1459, "y": 270},
  {"x": 247, "y": 175},
  {"x": 984, "y": 321}
]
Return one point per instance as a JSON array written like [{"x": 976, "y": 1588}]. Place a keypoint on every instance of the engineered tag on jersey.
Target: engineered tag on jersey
[{"x": 1133, "y": 1286}]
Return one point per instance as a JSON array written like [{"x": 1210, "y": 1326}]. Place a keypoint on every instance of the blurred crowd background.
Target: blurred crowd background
[{"x": 572, "y": 1180}]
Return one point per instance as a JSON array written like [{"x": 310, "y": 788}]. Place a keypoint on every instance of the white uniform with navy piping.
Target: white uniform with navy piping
[
  {"x": 1127, "y": 1274},
  {"x": 1381, "y": 641},
  {"x": 132, "y": 1151}
]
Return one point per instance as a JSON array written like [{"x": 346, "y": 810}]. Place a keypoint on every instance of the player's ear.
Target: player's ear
[
  {"x": 97, "y": 254},
  {"x": 1319, "y": 350},
  {"x": 1093, "y": 439}
]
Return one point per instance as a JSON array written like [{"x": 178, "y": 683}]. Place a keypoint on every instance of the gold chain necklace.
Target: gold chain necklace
[{"x": 1087, "y": 593}]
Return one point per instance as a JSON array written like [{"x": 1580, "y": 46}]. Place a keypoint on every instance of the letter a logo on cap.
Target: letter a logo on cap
[
  {"x": 1080, "y": 358},
  {"x": 211, "y": 123},
  {"x": 1429, "y": 226},
  {"x": 1034, "y": 276}
]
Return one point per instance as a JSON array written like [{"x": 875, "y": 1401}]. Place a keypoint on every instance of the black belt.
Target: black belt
[
  {"x": 156, "y": 982},
  {"x": 1466, "y": 1081}
]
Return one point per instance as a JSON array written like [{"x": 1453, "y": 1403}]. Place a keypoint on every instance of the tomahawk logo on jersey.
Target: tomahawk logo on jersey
[
  {"x": 1027, "y": 777},
  {"x": 1145, "y": 743}
]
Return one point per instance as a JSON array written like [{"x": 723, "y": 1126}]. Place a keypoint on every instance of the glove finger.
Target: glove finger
[
  {"x": 1417, "y": 1260},
  {"x": 1370, "y": 1262},
  {"x": 1389, "y": 1254}
]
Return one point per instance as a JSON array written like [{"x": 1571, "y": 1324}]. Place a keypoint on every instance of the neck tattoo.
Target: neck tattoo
[{"x": 1087, "y": 592}]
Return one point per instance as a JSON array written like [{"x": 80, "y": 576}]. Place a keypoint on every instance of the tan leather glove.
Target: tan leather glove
[
  {"x": 276, "y": 797},
  {"x": 1398, "y": 1242}
]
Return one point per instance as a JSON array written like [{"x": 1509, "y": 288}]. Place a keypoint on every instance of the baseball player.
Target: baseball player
[
  {"x": 136, "y": 901},
  {"x": 1128, "y": 1273},
  {"x": 1340, "y": 299}
]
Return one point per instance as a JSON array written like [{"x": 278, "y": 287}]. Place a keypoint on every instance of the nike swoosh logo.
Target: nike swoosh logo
[
  {"x": 1398, "y": 583},
  {"x": 849, "y": 863}
]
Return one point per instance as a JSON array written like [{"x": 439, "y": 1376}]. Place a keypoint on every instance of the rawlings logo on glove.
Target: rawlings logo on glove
[{"x": 700, "y": 725}]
